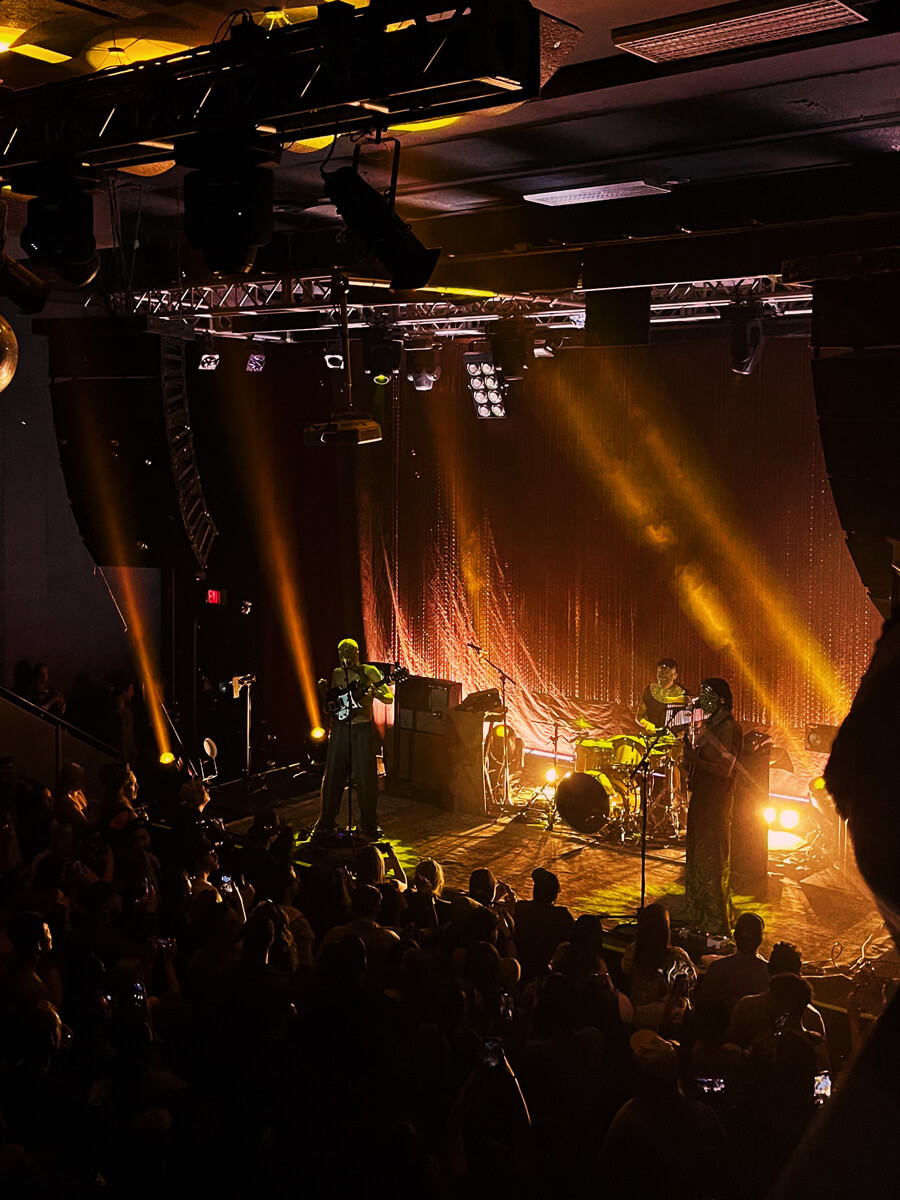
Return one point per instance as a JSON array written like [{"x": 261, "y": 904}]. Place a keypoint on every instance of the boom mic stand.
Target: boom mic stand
[
  {"x": 642, "y": 771},
  {"x": 238, "y": 682}
]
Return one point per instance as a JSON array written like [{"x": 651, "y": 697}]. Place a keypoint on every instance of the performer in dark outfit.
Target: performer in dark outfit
[
  {"x": 708, "y": 851},
  {"x": 656, "y": 697},
  {"x": 353, "y": 742}
]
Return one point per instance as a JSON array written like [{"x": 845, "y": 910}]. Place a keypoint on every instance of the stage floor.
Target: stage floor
[{"x": 812, "y": 910}]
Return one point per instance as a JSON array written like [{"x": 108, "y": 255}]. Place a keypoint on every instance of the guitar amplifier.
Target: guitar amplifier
[
  {"x": 422, "y": 703},
  {"x": 419, "y": 754}
]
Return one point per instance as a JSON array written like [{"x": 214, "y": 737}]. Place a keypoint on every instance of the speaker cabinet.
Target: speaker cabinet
[{"x": 120, "y": 408}]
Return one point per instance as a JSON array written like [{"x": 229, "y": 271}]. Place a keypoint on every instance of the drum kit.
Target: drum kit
[{"x": 602, "y": 796}]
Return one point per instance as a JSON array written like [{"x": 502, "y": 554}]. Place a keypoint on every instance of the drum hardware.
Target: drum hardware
[
  {"x": 546, "y": 793},
  {"x": 490, "y": 702},
  {"x": 643, "y": 772}
]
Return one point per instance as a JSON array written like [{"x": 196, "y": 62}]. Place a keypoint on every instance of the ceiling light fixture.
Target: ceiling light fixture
[
  {"x": 732, "y": 27},
  {"x": 381, "y": 354},
  {"x": 372, "y": 217},
  {"x": 59, "y": 228},
  {"x": 487, "y": 386},
  {"x": 228, "y": 199},
  {"x": 129, "y": 46},
  {"x": 601, "y": 191},
  {"x": 422, "y": 368},
  {"x": 747, "y": 342},
  {"x": 8, "y": 34}
]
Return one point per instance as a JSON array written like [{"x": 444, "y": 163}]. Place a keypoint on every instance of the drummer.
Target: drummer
[{"x": 657, "y": 697}]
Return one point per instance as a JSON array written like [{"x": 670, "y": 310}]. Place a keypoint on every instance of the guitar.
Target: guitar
[{"x": 342, "y": 702}]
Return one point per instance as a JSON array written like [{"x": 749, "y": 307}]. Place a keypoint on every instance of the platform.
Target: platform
[{"x": 804, "y": 907}]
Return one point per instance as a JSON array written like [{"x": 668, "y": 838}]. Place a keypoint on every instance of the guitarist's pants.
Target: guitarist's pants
[{"x": 337, "y": 766}]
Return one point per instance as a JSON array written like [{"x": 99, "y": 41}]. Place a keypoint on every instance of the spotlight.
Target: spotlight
[
  {"x": 372, "y": 217},
  {"x": 487, "y": 388},
  {"x": 512, "y": 348},
  {"x": 228, "y": 198},
  {"x": 59, "y": 228},
  {"x": 167, "y": 758},
  {"x": 789, "y": 818},
  {"x": 551, "y": 775},
  {"x": 422, "y": 368},
  {"x": 334, "y": 356},
  {"x": 381, "y": 354},
  {"x": 818, "y": 784},
  {"x": 820, "y": 737},
  {"x": 208, "y": 362},
  {"x": 747, "y": 341},
  {"x": 770, "y": 815},
  {"x": 317, "y": 733},
  {"x": 255, "y": 363}
]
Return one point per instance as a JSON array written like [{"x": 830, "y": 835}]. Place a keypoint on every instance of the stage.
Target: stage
[{"x": 814, "y": 910}]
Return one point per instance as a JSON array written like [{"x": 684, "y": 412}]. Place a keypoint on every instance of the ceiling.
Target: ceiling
[{"x": 786, "y": 152}]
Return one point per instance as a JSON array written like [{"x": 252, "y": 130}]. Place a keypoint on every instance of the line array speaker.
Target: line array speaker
[{"x": 123, "y": 427}]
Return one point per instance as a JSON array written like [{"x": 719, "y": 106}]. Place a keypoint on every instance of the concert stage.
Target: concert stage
[{"x": 812, "y": 909}]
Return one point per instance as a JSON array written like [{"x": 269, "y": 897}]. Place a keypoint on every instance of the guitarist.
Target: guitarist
[{"x": 353, "y": 741}]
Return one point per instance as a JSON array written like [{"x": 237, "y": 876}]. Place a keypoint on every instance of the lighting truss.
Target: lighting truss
[
  {"x": 301, "y": 309},
  {"x": 340, "y": 73},
  {"x": 487, "y": 386}
]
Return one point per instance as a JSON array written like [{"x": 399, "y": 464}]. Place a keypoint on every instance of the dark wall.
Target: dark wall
[{"x": 53, "y": 606}]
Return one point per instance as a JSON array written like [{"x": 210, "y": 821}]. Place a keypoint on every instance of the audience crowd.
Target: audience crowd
[{"x": 180, "y": 1008}]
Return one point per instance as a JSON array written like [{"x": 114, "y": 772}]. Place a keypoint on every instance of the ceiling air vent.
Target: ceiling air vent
[
  {"x": 600, "y": 191},
  {"x": 732, "y": 27}
]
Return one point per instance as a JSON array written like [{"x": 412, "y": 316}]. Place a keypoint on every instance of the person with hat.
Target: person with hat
[{"x": 711, "y": 763}]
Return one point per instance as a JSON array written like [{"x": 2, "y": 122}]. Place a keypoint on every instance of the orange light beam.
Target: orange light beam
[
  {"x": 277, "y": 551},
  {"x": 145, "y": 655}
]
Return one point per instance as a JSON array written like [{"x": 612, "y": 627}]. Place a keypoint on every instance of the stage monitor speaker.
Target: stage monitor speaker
[
  {"x": 859, "y": 425},
  {"x": 617, "y": 318},
  {"x": 123, "y": 426}
]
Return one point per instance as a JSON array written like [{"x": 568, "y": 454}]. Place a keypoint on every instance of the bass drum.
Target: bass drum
[{"x": 582, "y": 802}]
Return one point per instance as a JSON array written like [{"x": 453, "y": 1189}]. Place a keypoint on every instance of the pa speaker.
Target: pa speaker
[
  {"x": 859, "y": 424},
  {"x": 123, "y": 427}
]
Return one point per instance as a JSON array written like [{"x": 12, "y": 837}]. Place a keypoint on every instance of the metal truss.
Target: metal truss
[
  {"x": 347, "y": 71},
  {"x": 299, "y": 309}
]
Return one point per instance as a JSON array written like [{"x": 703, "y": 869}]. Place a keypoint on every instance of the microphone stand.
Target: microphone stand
[
  {"x": 642, "y": 768},
  {"x": 238, "y": 682},
  {"x": 349, "y": 752}
]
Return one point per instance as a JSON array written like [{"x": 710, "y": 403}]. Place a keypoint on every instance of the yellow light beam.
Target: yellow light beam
[
  {"x": 145, "y": 654},
  {"x": 277, "y": 542}
]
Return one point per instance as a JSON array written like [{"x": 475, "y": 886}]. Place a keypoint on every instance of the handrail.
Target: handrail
[{"x": 58, "y": 722}]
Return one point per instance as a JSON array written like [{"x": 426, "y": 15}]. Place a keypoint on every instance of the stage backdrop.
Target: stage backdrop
[{"x": 636, "y": 503}]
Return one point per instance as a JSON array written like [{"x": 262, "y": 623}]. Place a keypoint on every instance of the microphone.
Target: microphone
[{"x": 477, "y": 649}]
